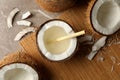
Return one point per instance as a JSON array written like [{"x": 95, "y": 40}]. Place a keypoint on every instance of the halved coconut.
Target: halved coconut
[
  {"x": 104, "y": 16},
  {"x": 52, "y": 30},
  {"x": 19, "y": 66},
  {"x": 18, "y": 71}
]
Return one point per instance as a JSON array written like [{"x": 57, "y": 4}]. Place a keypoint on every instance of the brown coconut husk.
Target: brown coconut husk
[
  {"x": 88, "y": 22},
  {"x": 88, "y": 12},
  {"x": 56, "y": 5},
  {"x": 20, "y": 58}
]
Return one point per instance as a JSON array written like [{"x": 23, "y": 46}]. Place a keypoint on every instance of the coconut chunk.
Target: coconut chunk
[
  {"x": 24, "y": 23},
  {"x": 118, "y": 64},
  {"x": 11, "y": 16},
  {"x": 118, "y": 43},
  {"x": 100, "y": 59},
  {"x": 96, "y": 47},
  {"x": 112, "y": 68},
  {"x": 26, "y": 15},
  {"x": 24, "y": 32},
  {"x": 86, "y": 38},
  {"x": 113, "y": 59}
]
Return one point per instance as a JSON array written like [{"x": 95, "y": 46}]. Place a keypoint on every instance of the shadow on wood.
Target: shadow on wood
[
  {"x": 46, "y": 74},
  {"x": 81, "y": 3}
]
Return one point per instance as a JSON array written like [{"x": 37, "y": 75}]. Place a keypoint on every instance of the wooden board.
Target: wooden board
[{"x": 78, "y": 67}]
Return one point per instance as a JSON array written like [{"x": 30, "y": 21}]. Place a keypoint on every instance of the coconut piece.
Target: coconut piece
[
  {"x": 96, "y": 47},
  {"x": 24, "y": 32},
  {"x": 85, "y": 38},
  {"x": 101, "y": 59},
  {"x": 112, "y": 68},
  {"x": 24, "y": 23},
  {"x": 111, "y": 43},
  {"x": 118, "y": 64},
  {"x": 58, "y": 51},
  {"x": 26, "y": 15},
  {"x": 22, "y": 64},
  {"x": 113, "y": 59},
  {"x": 11, "y": 16},
  {"x": 103, "y": 16},
  {"x": 118, "y": 43}
]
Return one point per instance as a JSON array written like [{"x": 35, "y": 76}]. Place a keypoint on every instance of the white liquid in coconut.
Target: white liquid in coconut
[{"x": 52, "y": 34}]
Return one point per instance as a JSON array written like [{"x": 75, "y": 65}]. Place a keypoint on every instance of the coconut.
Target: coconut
[
  {"x": 24, "y": 23},
  {"x": 56, "y": 5},
  {"x": 11, "y": 17},
  {"x": 56, "y": 51},
  {"x": 103, "y": 16},
  {"x": 19, "y": 66},
  {"x": 26, "y": 15},
  {"x": 24, "y": 32}
]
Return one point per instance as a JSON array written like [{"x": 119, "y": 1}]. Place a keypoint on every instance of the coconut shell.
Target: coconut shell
[
  {"x": 56, "y": 5},
  {"x": 88, "y": 13},
  {"x": 88, "y": 18},
  {"x": 21, "y": 58},
  {"x": 77, "y": 47}
]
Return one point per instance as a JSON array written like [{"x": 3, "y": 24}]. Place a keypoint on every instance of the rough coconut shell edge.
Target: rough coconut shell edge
[
  {"x": 20, "y": 57},
  {"x": 88, "y": 13}
]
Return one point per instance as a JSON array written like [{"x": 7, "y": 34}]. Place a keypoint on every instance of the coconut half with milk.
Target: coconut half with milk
[
  {"x": 56, "y": 51},
  {"x": 19, "y": 66},
  {"x": 104, "y": 16}
]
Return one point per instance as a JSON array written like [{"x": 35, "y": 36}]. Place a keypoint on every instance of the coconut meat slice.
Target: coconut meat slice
[
  {"x": 24, "y": 32},
  {"x": 24, "y": 23},
  {"x": 96, "y": 47},
  {"x": 105, "y": 16},
  {"x": 26, "y": 15},
  {"x": 11, "y": 16},
  {"x": 59, "y": 50},
  {"x": 18, "y": 71}
]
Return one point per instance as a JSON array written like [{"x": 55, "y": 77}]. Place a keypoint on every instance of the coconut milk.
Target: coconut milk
[{"x": 52, "y": 34}]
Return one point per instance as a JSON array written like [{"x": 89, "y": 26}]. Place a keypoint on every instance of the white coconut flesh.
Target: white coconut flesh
[
  {"x": 106, "y": 16},
  {"x": 59, "y": 50},
  {"x": 18, "y": 71}
]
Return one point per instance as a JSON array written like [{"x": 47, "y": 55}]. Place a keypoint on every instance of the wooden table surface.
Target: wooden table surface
[{"x": 79, "y": 67}]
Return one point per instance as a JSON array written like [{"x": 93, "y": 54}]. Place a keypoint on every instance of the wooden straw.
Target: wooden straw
[{"x": 69, "y": 36}]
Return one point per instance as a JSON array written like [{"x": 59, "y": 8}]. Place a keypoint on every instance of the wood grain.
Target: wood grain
[{"x": 78, "y": 67}]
